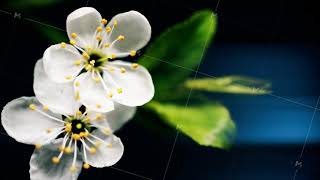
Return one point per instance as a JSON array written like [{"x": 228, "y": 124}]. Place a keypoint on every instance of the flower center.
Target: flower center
[
  {"x": 95, "y": 60},
  {"x": 78, "y": 126}
]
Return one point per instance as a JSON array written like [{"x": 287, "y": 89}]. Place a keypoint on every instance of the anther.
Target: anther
[
  {"x": 79, "y": 113},
  {"x": 108, "y": 29},
  {"x": 49, "y": 130},
  {"x": 134, "y": 65},
  {"x": 97, "y": 79},
  {"x": 106, "y": 131},
  {"x": 86, "y": 120},
  {"x": 110, "y": 95},
  {"x": 38, "y": 146},
  {"x": 109, "y": 145},
  {"x": 133, "y": 53},
  {"x": 76, "y": 137},
  {"x": 98, "y": 144},
  {"x": 68, "y": 127},
  {"x": 120, "y": 38},
  {"x": 69, "y": 77},
  {"x": 115, "y": 24},
  {"x": 73, "y": 42},
  {"x": 63, "y": 45},
  {"x": 111, "y": 69},
  {"x": 74, "y": 35},
  {"x": 92, "y": 150},
  {"x": 98, "y": 106},
  {"x": 86, "y": 166},
  {"x": 77, "y": 96},
  {"x": 98, "y": 116},
  {"x": 77, "y": 84},
  {"x": 119, "y": 90},
  {"x": 45, "y": 107},
  {"x": 73, "y": 169},
  {"x": 68, "y": 150},
  {"x": 81, "y": 134},
  {"x": 99, "y": 38},
  {"x": 32, "y": 106},
  {"x": 55, "y": 160},
  {"x": 85, "y": 55},
  {"x": 99, "y": 28},
  {"x": 113, "y": 56},
  {"x": 104, "y": 21},
  {"x": 122, "y": 70},
  {"x": 106, "y": 45},
  {"x": 61, "y": 148},
  {"x": 77, "y": 63}
]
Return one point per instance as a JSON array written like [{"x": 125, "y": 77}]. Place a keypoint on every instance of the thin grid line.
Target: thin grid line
[
  {"x": 131, "y": 173},
  {"x": 307, "y": 137},
  {"x": 187, "y": 102}
]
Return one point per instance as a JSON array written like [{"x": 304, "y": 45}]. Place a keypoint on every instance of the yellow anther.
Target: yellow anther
[
  {"x": 110, "y": 95},
  {"x": 133, "y": 53},
  {"x": 73, "y": 42},
  {"x": 97, "y": 79},
  {"x": 99, "y": 28},
  {"x": 111, "y": 69},
  {"x": 32, "y": 106},
  {"x": 77, "y": 62},
  {"x": 68, "y": 127},
  {"x": 108, "y": 29},
  {"x": 76, "y": 137},
  {"x": 86, "y": 134},
  {"x": 89, "y": 49},
  {"x": 45, "y": 107},
  {"x": 78, "y": 113},
  {"x": 106, "y": 45},
  {"x": 122, "y": 70},
  {"x": 92, "y": 62},
  {"x": 134, "y": 65},
  {"x": 81, "y": 134},
  {"x": 99, "y": 38},
  {"x": 104, "y": 21},
  {"x": 49, "y": 130},
  {"x": 88, "y": 67},
  {"x": 61, "y": 148},
  {"x": 74, "y": 35},
  {"x": 77, "y": 84},
  {"x": 119, "y": 90},
  {"x": 73, "y": 169},
  {"x": 68, "y": 150},
  {"x": 92, "y": 150},
  {"x": 38, "y": 146},
  {"x": 113, "y": 56},
  {"x": 98, "y": 116},
  {"x": 106, "y": 131},
  {"x": 109, "y": 145},
  {"x": 63, "y": 45},
  {"x": 55, "y": 160},
  {"x": 86, "y": 166},
  {"x": 115, "y": 24},
  {"x": 79, "y": 126},
  {"x": 98, "y": 144},
  {"x": 98, "y": 106},
  {"x": 120, "y": 38},
  {"x": 69, "y": 77},
  {"x": 86, "y": 120},
  {"x": 77, "y": 96},
  {"x": 85, "y": 55}
]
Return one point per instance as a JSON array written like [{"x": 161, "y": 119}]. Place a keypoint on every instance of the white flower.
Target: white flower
[
  {"x": 90, "y": 60},
  {"x": 64, "y": 143}
]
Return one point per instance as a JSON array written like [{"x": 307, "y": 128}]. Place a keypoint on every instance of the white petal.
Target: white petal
[
  {"x": 134, "y": 27},
  {"x": 59, "y": 63},
  {"x": 136, "y": 84},
  {"x": 84, "y": 22},
  {"x": 106, "y": 155},
  {"x": 114, "y": 119},
  {"x": 92, "y": 94},
  {"x": 41, "y": 167},
  {"x": 59, "y": 97},
  {"x": 26, "y": 125}
]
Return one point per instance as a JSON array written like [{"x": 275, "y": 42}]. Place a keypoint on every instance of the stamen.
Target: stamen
[
  {"x": 76, "y": 137},
  {"x": 108, "y": 29},
  {"x": 45, "y": 107},
  {"x": 104, "y": 21},
  {"x": 110, "y": 94},
  {"x": 77, "y": 84},
  {"x": 99, "y": 116},
  {"x": 120, "y": 38},
  {"x": 78, "y": 62},
  {"x": 92, "y": 150},
  {"x": 68, "y": 149},
  {"x": 73, "y": 42},
  {"x": 63, "y": 45},
  {"x": 77, "y": 96},
  {"x": 69, "y": 77},
  {"x": 133, "y": 53},
  {"x": 99, "y": 29},
  {"x": 74, "y": 35},
  {"x": 85, "y": 165},
  {"x": 33, "y": 107},
  {"x": 134, "y": 65},
  {"x": 106, "y": 45},
  {"x": 115, "y": 24},
  {"x": 73, "y": 167},
  {"x": 85, "y": 55},
  {"x": 122, "y": 70},
  {"x": 38, "y": 146},
  {"x": 119, "y": 90},
  {"x": 68, "y": 127}
]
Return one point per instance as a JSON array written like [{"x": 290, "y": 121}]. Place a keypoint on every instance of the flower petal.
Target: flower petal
[
  {"x": 59, "y": 97},
  {"x": 42, "y": 168},
  {"x": 26, "y": 125},
  {"x": 114, "y": 119},
  {"x": 84, "y": 22},
  {"x": 108, "y": 153},
  {"x": 59, "y": 63},
  {"x": 92, "y": 94},
  {"x": 136, "y": 84},
  {"x": 134, "y": 27}
]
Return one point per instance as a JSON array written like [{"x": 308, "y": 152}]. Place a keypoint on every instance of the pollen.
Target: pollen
[
  {"x": 69, "y": 77},
  {"x": 68, "y": 150},
  {"x": 108, "y": 29},
  {"x": 38, "y": 146},
  {"x": 122, "y": 70},
  {"x": 74, "y": 35},
  {"x": 32, "y": 107},
  {"x": 79, "y": 126},
  {"x": 79, "y": 113},
  {"x": 73, "y": 169},
  {"x": 81, "y": 134},
  {"x": 110, "y": 95},
  {"x": 73, "y": 42},
  {"x": 63, "y": 45},
  {"x": 134, "y": 65},
  {"x": 104, "y": 21},
  {"x": 85, "y": 55},
  {"x": 86, "y": 166},
  {"x": 106, "y": 45},
  {"x": 76, "y": 137},
  {"x": 68, "y": 127},
  {"x": 77, "y": 62},
  {"x": 120, "y": 38},
  {"x": 92, "y": 150},
  {"x": 98, "y": 106},
  {"x": 45, "y": 107},
  {"x": 88, "y": 67},
  {"x": 133, "y": 53},
  {"x": 99, "y": 38},
  {"x": 86, "y": 134},
  {"x": 109, "y": 145},
  {"x": 119, "y": 90},
  {"x": 99, "y": 28},
  {"x": 55, "y": 160},
  {"x": 113, "y": 56},
  {"x": 77, "y": 84}
]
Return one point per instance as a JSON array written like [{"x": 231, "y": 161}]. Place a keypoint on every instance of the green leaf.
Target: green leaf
[
  {"x": 32, "y": 3},
  {"x": 54, "y": 35},
  {"x": 230, "y": 84},
  {"x": 183, "y": 46},
  {"x": 208, "y": 124}
]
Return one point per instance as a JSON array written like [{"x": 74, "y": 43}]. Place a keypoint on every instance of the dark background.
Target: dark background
[{"x": 269, "y": 39}]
